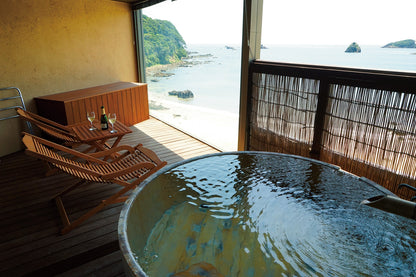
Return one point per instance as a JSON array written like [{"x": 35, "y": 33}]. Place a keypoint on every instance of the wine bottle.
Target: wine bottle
[{"x": 104, "y": 119}]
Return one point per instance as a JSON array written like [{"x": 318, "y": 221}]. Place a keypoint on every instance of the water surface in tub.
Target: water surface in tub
[{"x": 268, "y": 215}]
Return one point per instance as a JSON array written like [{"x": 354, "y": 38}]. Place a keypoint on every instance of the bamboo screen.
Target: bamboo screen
[
  {"x": 368, "y": 132},
  {"x": 371, "y": 133},
  {"x": 282, "y": 113}
]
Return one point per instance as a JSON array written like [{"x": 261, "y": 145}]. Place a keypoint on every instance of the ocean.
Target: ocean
[{"x": 214, "y": 79}]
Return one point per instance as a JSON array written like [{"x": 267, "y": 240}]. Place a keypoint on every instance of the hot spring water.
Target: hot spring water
[{"x": 258, "y": 214}]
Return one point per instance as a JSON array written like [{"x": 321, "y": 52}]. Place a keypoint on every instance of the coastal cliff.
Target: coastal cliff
[{"x": 162, "y": 42}]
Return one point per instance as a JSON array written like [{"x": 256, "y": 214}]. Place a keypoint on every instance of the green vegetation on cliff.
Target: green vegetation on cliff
[
  {"x": 162, "y": 42},
  {"x": 407, "y": 43}
]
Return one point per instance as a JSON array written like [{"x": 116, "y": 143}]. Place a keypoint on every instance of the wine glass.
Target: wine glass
[
  {"x": 91, "y": 118},
  {"x": 112, "y": 119}
]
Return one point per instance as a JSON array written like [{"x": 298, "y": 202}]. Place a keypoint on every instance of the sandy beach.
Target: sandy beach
[{"x": 218, "y": 128}]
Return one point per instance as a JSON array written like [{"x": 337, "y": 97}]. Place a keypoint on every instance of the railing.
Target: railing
[
  {"x": 12, "y": 99},
  {"x": 362, "y": 120}
]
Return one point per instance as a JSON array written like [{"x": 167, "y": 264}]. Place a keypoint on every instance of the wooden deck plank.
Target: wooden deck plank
[
  {"x": 30, "y": 243},
  {"x": 50, "y": 236},
  {"x": 109, "y": 265}
]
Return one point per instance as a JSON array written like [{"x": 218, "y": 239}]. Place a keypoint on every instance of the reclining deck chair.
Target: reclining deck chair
[
  {"x": 127, "y": 170},
  {"x": 63, "y": 133}
]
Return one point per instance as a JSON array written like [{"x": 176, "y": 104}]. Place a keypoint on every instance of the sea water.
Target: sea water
[
  {"x": 214, "y": 79},
  {"x": 371, "y": 56}
]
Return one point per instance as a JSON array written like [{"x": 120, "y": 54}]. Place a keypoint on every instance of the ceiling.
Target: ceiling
[{"x": 140, "y": 4}]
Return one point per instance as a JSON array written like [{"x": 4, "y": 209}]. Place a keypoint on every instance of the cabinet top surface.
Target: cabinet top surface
[{"x": 88, "y": 92}]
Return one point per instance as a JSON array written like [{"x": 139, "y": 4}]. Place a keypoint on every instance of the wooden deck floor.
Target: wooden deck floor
[{"x": 30, "y": 244}]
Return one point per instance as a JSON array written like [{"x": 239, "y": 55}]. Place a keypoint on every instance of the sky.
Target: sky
[{"x": 307, "y": 22}]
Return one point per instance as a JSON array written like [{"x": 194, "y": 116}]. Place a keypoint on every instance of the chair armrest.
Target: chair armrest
[
  {"x": 149, "y": 153},
  {"x": 112, "y": 155},
  {"x": 111, "y": 151},
  {"x": 119, "y": 173}
]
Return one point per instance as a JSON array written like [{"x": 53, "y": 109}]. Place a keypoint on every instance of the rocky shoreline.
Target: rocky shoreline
[
  {"x": 160, "y": 70},
  {"x": 163, "y": 70}
]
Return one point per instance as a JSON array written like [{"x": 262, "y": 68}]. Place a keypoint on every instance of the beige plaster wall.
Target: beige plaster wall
[{"x": 51, "y": 46}]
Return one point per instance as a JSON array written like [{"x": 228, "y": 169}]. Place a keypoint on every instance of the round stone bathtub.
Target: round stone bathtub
[{"x": 261, "y": 214}]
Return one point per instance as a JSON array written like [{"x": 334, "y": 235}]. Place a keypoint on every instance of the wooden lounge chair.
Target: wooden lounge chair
[
  {"x": 52, "y": 128},
  {"x": 64, "y": 134},
  {"x": 127, "y": 170}
]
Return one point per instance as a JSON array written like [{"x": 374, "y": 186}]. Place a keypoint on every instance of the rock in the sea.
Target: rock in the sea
[
  {"x": 353, "y": 48},
  {"x": 185, "y": 94}
]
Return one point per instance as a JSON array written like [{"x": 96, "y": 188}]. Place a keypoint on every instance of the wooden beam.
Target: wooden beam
[
  {"x": 323, "y": 97},
  {"x": 139, "y": 38},
  {"x": 251, "y": 44}
]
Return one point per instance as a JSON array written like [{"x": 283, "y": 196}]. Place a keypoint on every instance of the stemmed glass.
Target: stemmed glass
[
  {"x": 91, "y": 118},
  {"x": 112, "y": 119}
]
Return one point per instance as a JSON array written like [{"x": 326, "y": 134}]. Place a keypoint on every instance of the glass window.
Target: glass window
[{"x": 196, "y": 90}]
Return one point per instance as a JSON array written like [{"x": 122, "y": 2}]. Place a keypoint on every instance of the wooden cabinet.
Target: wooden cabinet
[{"x": 128, "y": 100}]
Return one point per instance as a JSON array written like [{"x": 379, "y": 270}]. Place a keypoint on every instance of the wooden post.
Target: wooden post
[
  {"x": 250, "y": 50},
  {"x": 320, "y": 119},
  {"x": 138, "y": 34}
]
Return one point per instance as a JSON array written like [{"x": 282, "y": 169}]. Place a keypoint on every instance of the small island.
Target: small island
[
  {"x": 407, "y": 43},
  {"x": 353, "y": 48}
]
